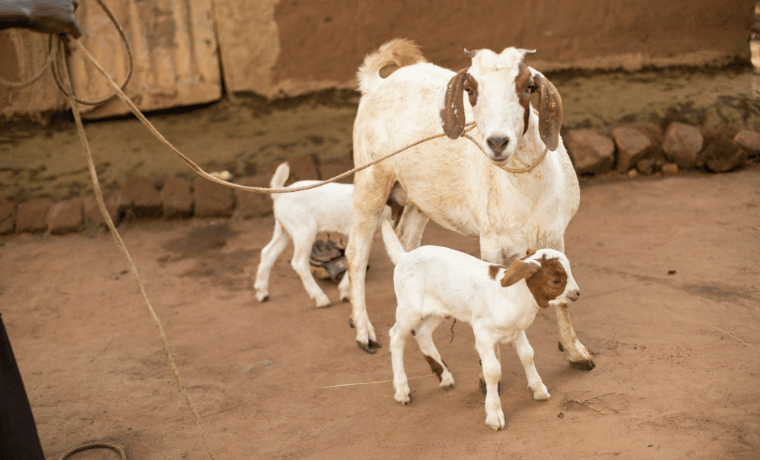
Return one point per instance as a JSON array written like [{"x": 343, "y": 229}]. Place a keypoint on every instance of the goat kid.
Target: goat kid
[
  {"x": 433, "y": 283},
  {"x": 300, "y": 216},
  {"x": 450, "y": 180}
]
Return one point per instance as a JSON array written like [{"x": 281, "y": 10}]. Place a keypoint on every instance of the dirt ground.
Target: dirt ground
[{"x": 678, "y": 355}]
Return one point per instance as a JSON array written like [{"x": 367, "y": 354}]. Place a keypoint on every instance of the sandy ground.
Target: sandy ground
[{"x": 678, "y": 355}]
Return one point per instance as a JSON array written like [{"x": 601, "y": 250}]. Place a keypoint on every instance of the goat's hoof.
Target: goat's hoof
[
  {"x": 366, "y": 347},
  {"x": 484, "y": 388},
  {"x": 324, "y": 305},
  {"x": 350, "y": 322},
  {"x": 583, "y": 365},
  {"x": 559, "y": 345},
  {"x": 374, "y": 344},
  {"x": 496, "y": 422}
]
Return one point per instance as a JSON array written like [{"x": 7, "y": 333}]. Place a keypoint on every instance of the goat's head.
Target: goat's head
[
  {"x": 547, "y": 274},
  {"x": 499, "y": 87}
]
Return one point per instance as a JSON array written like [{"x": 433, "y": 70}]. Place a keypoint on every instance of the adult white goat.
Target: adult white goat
[{"x": 405, "y": 98}]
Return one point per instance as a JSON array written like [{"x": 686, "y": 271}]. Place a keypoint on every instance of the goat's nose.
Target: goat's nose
[
  {"x": 573, "y": 295},
  {"x": 498, "y": 144}
]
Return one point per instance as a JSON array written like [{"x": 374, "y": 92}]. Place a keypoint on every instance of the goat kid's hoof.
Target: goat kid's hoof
[
  {"x": 583, "y": 365},
  {"x": 484, "y": 388},
  {"x": 262, "y": 297},
  {"x": 350, "y": 322},
  {"x": 370, "y": 347},
  {"x": 559, "y": 345},
  {"x": 324, "y": 305},
  {"x": 403, "y": 397}
]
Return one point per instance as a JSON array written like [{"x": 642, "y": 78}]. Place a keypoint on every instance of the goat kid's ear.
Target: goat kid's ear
[
  {"x": 549, "y": 110},
  {"x": 452, "y": 112},
  {"x": 517, "y": 271}
]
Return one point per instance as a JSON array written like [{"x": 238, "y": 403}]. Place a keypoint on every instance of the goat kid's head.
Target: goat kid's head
[
  {"x": 498, "y": 88},
  {"x": 547, "y": 274}
]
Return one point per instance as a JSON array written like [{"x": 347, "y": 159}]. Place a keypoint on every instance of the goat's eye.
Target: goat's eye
[{"x": 468, "y": 89}]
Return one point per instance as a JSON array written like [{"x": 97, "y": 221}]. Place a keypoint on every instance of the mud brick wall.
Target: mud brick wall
[{"x": 187, "y": 52}]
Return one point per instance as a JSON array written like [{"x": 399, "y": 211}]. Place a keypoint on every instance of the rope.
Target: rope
[
  {"x": 95, "y": 445},
  {"x": 51, "y": 56},
  {"x": 125, "y": 253},
  {"x": 130, "y": 64}
]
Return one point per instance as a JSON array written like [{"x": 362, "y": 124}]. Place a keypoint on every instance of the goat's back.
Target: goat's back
[{"x": 327, "y": 208}]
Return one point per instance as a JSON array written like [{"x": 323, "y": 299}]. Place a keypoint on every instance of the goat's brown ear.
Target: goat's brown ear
[
  {"x": 452, "y": 112},
  {"x": 530, "y": 252},
  {"x": 517, "y": 271},
  {"x": 549, "y": 111}
]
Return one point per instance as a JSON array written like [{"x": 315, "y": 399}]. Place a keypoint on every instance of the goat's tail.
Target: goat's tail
[
  {"x": 280, "y": 176},
  {"x": 398, "y": 52},
  {"x": 392, "y": 244}
]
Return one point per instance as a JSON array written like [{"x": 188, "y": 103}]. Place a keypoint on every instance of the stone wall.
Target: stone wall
[{"x": 185, "y": 51}]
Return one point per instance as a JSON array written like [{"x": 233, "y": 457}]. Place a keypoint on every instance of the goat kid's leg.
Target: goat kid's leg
[
  {"x": 497, "y": 352},
  {"x": 492, "y": 373},
  {"x": 398, "y": 334},
  {"x": 490, "y": 251},
  {"x": 525, "y": 353},
  {"x": 300, "y": 263},
  {"x": 269, "y": 256},
  {"x": 577, "y": 354},
  {"x": 424, "y": 337}
]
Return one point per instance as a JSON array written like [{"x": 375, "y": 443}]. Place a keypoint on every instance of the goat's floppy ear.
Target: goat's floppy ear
[
  {"x": 517, "y": 271},
  {"x": 549, "y": 110},
  {"x": 452, "y": 112}
]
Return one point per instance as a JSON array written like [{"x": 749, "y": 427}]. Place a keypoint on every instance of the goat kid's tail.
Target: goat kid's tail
[
  {"x": 398, "y": 52},
  {"x": 392, "y": 244},
  {"x": 280, "y": 177}
]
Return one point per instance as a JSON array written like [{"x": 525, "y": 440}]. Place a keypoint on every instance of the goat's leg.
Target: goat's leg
[
  {"x": 398, "y": 333},
  {"x": 411, "y": 226},
  {"x": 424, "y": 337},
  {"x": 525, "y": 353},
  {"x": 269, "y": 256},
  {"x": 492, "y": 372},
  {"x": 303, "y": 238},
  {"x": 344, "y": 288},
  {"x": 577, "y": 354},
  {"x": 370, "y": 194}
]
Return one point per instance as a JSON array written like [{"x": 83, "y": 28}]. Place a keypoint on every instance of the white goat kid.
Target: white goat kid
[
  {"x": 300, "y": 216},
  {"x": 451, "y": 181},
  {"x": 433, "y": 283}
]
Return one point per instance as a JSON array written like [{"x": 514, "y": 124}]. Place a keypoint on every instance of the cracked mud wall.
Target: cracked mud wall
[{"x": 190, "y": 52}]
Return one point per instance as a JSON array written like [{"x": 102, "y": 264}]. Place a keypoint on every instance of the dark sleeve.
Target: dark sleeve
[{"x": 48, "y": 16}]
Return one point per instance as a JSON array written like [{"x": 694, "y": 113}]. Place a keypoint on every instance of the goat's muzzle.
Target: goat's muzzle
[
  {"x": 497, "y": 145},
  {"x": 574, "y": 295}
]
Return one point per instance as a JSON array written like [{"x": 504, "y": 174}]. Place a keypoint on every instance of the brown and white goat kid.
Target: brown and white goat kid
[
  {"x": 300, "y": 216},
  {"x": 452, "y": 182},
  {"x": 433, "y": 283}
]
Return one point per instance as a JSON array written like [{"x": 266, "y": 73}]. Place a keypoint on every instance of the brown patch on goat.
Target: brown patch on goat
[
  {"x": 470, "y": 86},
  {"x": 524, "y": 88},
  {"x": 493, "y": 270},
  {"x": 548, "y": 282},
  {"x": 435, "y": 366},
  {"x": 452, "y": 113},
  {"x": 386, "y": 71},
  {"x": 518, "y": 270},
  {"x": 549, "y": 111}
]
